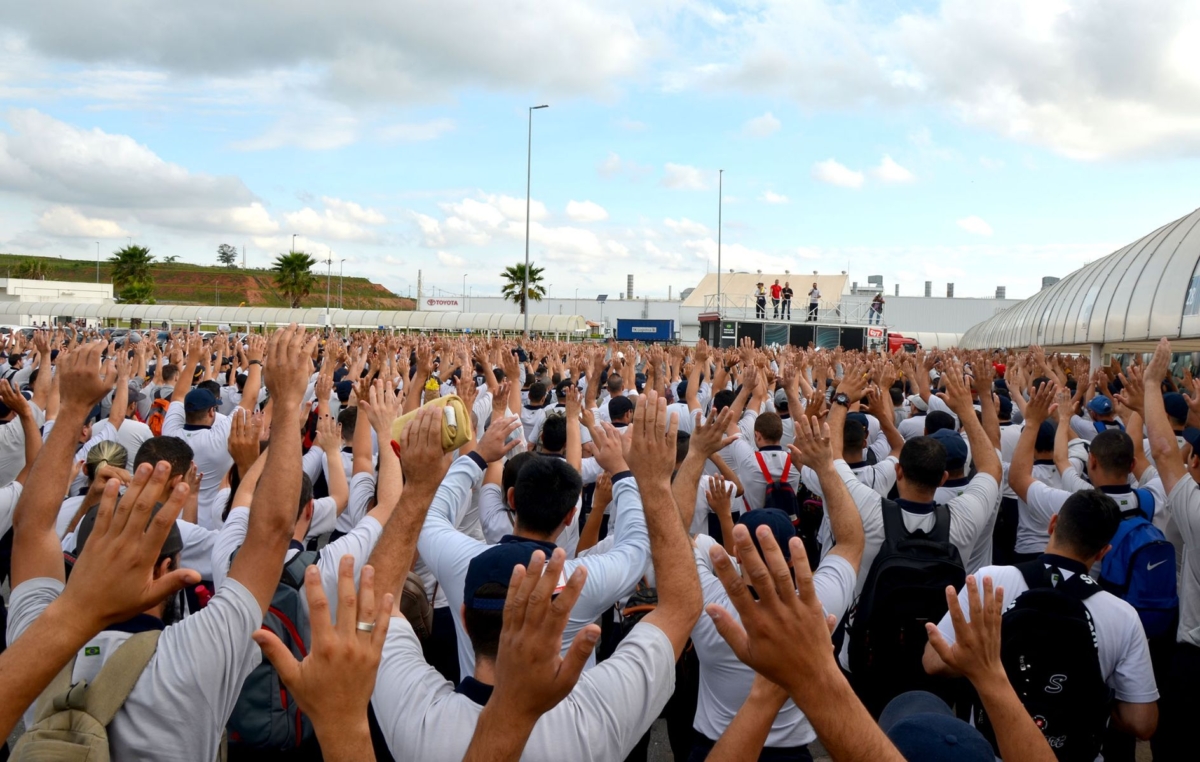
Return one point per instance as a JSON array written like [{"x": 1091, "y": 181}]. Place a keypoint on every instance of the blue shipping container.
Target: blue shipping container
[{"x": 645, "y": 330}]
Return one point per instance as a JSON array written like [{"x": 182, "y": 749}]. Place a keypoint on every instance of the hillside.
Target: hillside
[{"x": 183, "y": 283}]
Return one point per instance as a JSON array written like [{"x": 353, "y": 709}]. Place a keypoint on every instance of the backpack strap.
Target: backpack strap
[
  {"x": 941, "y": 526},
  {"x": 1037, "y": 575},
  {"x": 1145, "y": 502},
  {"x": 762, "y": 466},
  {"x": 56, "y": 693},
  {"x": 293, "y": 571},
  {"x": 787, "y": 468},
  {"x": 107, "y": 693}
]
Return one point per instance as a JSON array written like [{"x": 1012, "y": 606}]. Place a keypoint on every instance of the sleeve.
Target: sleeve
[
  {"x": 1073, "y": 482},
  {"x": 324, "y": 518},
  {"x": 590, "y": 470},
  {"x": 362, "y": 491},
  {"x": 444, "y": 549},
  {"x": 971, "y": 511},
  {"x": 358, "y": 544},
  {"x": 1044, "y": 502},
  {"x": 406, "y": 690},
  {"x": 613, "y": 574},
  {"x": 198, "y": 546},
  {"x": 494, "y": 515},
  {"x": 1184, "y": 506},
  {"x": 174, "y": 420},
  {"x": 28, "y": 601},
  {"x": 1133, "y": 679},
  {"x": 9, "y": 495},
  {"x": 228, "y": 540},
  {"x": 312, "y": 462},
  {"x": 834, "y": 582},
  {"x": 809, "y": 479},
  {"x": 746, "y": 424}
]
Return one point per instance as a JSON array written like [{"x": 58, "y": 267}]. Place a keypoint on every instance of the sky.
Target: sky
[{"x": 985, "y": 144}]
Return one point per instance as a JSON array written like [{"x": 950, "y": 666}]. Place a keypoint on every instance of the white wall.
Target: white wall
[{"x": 71, "y": 292}]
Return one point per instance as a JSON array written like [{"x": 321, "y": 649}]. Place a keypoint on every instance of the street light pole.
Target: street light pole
[
  {"x": 464, "y": 294},
  {"x": 528, "y": 178},
  {"x": 341, "y": 282},
  {"x": 328, "y": 283}
]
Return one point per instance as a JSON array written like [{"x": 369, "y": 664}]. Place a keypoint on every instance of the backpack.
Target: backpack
[
  {"x": 265, "y": 715},
  {"x": 1102, "y": 426},
  {"x": 158, "y": 413},
  {"x": 71, "y": 721},
  {"x": 1140, "y": 568},
  {"x": 1048, "y": 647},
  {"x": 779, "y": 494},
  {"x": 905, "y": 589},
  {"x": 642, "y": 602}
]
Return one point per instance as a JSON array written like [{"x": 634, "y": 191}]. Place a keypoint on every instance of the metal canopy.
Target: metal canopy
[
  {"x": 1128, "y": 299},
  {"x": 405, "y": 320}
]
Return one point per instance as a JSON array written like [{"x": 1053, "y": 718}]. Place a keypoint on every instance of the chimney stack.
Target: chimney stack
[
  {"x": 1000, "y": 292},
  {"x": 897, "y": 289},
  {"x": 1049, "y": 281},
  {"x": 949, "y": 290},
  {"x": 629, "y": 286},
  {"x": 928, "y": 289}
]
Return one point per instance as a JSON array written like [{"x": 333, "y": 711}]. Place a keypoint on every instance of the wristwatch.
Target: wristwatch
[
  {"x": 842, "y": 399},
  {"x": 255, "y": 362}
]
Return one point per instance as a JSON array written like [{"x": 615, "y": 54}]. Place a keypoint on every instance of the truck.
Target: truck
[
  {"x": 879, "y": 338},
  {"x": 645, "y": 330}
]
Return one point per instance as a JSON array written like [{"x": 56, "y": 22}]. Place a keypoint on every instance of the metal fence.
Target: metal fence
[{"x": 745, "y": 307}]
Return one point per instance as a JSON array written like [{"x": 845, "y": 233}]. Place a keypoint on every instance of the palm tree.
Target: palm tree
[
  {"x": 514, "y": 277},
  {"x": 131, "y": 265},
  {"x": 137, "y": 293},
  {"x": 293, "y": 276},
  {"x": 31, "y": 268}
]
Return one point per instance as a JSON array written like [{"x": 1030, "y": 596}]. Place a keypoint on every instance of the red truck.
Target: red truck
[{"x": 895, "y": 342}]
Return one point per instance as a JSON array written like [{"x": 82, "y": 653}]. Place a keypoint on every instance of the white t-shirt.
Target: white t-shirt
[
  {"x": 1120, "y": 639},
  {"x": 703, "y": 509},
  {"x": 1184, "y": 534},
  {"x": 210, "y": 451}
]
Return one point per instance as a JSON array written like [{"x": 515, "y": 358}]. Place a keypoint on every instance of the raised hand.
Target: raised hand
[
  {"x": 610, "y": 448},
  {"x": 652, "y": 449},
  {"x": 420, "y": 448},
  {"x": 976, "y": 649},
  {"x": 811, "y": 446},
  {"x": 1038, "y": 409},
  {"x": 1160, "y": 364},
  {"x": 494, "y": 444},
  {"x": 83, "y": 378},
  {"x": 289, "y": 365},
  {"x": 709, "y": 437}
]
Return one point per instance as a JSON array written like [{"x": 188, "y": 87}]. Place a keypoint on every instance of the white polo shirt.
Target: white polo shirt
[
  {"x": 178, "y": 708},
  {"x": 1044, "y": 502},
  {"x": 423, "y": 717},
  {"x": 210, "y": 451},
  {"x": 1184, "y": 533},
  {"x": 12, "y": 445},
  {"x": 1120, "y": 639},
  {"x": 741, "y": 456},
  {"x": 703, "y": 509},
  {"x": 724, "y": 681}
]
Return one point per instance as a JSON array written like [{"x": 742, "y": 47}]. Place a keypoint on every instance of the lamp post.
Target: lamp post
[
  {"x": 548, "y": 290},
  {"x": 528, "y": 178},
  {"x": 341, "y": 282},
  {"x": 464, "y": 294},
  {"x": 720, "y": 197},
  {"x": 328, "y": 283}
]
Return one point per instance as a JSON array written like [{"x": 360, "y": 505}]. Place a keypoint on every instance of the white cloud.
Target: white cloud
[
  {"x": 353, "y": 211},
  {"x": 310, "y": 132},
  {"x": 889, "y": 171},
  {"x": 975, "y": 225},
  {"x": 586, "y": 211},
  {"x": 339, "y": 220},
  {"x": 771, "y": 197},
  {"x": 431, "y": 130},
  {"x": 451, "y": 260},
  {"x": 67, "y": 222},
  {"x": 686, "y": 227},
  {"x": 761, "y": 126},
  {"x": 830, "y": 171},
  {"x": 684, "y": 177}
]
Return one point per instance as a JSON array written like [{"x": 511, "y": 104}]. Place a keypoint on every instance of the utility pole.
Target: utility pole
[
  {"x": 720, "y": 199},
  {"x": 528, "y": 178}
]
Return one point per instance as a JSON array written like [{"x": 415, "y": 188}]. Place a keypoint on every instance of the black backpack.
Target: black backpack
[
  {"x": 779, "y": 494},
  {"x": 905, "y": 589},
  {"x": 1049, "y": 651}
]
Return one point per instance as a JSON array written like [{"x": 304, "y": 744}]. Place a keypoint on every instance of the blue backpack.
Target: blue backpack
[{"x": 1140, "y": 568}]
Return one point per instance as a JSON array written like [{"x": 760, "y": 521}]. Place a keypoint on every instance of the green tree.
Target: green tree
[
  {"x": 514, "y": 284},
  {"x": 227, "y": 255},
  {"x": 30, "y": 268},
  {"x": 171, "y": 259},
  {"x": 131, "y": 266},
  {"x": 293, "y": 276},
  {"x": 136, "y": 293}
]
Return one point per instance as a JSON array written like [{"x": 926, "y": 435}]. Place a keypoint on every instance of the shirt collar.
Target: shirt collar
[
  {"x": 1115, "y": 489},
  {"x": 195, "y": 427},
  {"x": 771, "y": 448},
  {"x": 1062, "y": 563},
  {"x": 961, "y": 481},
  {"x": 910, "y": 506},
  {"x": 139, "y": 623},
  {"x": 475, "y": 690},
  {"x": 546, "y": 546}
]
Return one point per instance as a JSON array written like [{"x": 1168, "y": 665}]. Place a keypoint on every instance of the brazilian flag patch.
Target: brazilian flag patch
[{"x": 91, "y": 651}]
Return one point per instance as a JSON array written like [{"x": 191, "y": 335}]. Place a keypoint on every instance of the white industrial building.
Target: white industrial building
[{"x": 41, "y": 297}]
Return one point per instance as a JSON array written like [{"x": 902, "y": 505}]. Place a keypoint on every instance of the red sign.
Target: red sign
[{"x": 874, "y": 333}]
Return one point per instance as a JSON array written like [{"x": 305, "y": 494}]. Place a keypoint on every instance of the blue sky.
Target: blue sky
[{"x": 947, "y": 141}]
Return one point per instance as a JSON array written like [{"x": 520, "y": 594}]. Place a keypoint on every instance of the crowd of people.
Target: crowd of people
[{"x": 305, "y": 546}]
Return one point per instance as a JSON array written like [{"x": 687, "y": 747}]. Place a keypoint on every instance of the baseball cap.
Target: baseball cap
[
  {"x": 1006, "y": 406},
  {"x": 343, "y": 389},
  {"x": 495, "y": 565},
  {"x": 1045, "y": 437},
  {"x": 5, "y": 409},
  {"x": 916, "y": 401},
  {"x": 172, "y": 545},
  {"x": 956, "y": 448},
  {"x": 1192, "y": 436},
  {"x": 198, "y": 400},
  {"x": 135, "y": 394},
  {"x": 1100, "y": 405},
  {"x": 618, "y": 407},
  {"x": 860, "y": 418},
  {"x": 776, "y": 520},
  {"x": 781, "y": 402},
  {"x": 1175, "y": 405},
  {"x": 924, "y": 728}
]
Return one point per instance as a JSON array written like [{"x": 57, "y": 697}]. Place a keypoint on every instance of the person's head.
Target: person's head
[
  {"x": 922, "y": 726},
  {"x": 774, "y": 519},
  {"x": 1110, "y": 457},
  {"x": 554, "y": 433},
  {"x": 777, "y": 281},
  {"x": 922, "y": 468},
  {"x": 937, "y": 420},
  {"x": 304, "y": 509},
  {"x": 173, "y": 450},
  {"x": 1004, "y": 409},
  {"x": 537, "y": 392},
  {"x": 348, "y": 420},
  {"x": 1177, "y": 409},
  {"x": 1084, "y": 526},
  {"x": 544, "y": 497},
  {"x": 168, "y": 559},
  {"x": 512, "y": 466},
  {"x": 723, "y": 399},
  {"x": 485, "y": 589},
  {"x": 212, "y": 386},
  {"x": 1043, "y": 446},
  {"x": 854, "y": 439},
  {"x": 956, "y": 451},
  {"x": 683, "y": 442},
  {"x": 620, "y": 410},
  {"x": 768, "y": 430},
  {"x": 1192, "y": 452},
  {"x": 200, "y": 407},
  {"x": 136, "y": 395},
  {"x": 1100, "y": 408},
  {"x": 170, "y": 373},
  {"x": 814, "y": 285},
  {"x": 105, "y": 453},
  {"x": 615, "y": 384},
  {"x": 1037, "y": 383},
  {"x": 341, "y": 388}
]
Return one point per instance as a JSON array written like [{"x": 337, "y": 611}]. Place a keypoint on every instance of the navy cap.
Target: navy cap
[
  {"x": 1176, "y": 406},
  {"x": 343, "y": 389},
  {"x": 779, "y": 523},
  {"x": 1192, "y": 435},
  {"x": 198, "y": 400},
  {"x": 1001, "y": 386},
  {"x": 860, "y": 418},
  {"x": 1100, "y": 405},
  {"x": 956, "y": 448},
  {"x": 1005, "y": 408},
  {"x": 1045, "y": 437},
  {"x": 923, "y": 728},
  {"x": 495, "y": 565},
  {"x": 339, "y": 374}
]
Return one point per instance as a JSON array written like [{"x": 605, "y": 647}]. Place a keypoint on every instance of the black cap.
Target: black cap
[
  {"x": 172, "y": 545},
  {"x": 495, "y": 565},
  {"x": 779, "y": 523}
]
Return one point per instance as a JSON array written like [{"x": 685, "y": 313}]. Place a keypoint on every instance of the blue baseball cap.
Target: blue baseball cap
[
  {"x": 495, "y": 565},
  {"x": 198, "y": 400},
  {"x": 1005, "y": 407},
  {"x": 1100, "y": 405},
  {"x": 956, "y": 448},
  {"x": 1175, "y": 405},
  {"x": 777, "y": 521},
  {"x": 924, "y": 728},
  {"x": 343, "y": 389}
]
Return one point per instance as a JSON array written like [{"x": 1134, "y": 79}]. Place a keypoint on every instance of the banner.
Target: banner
[{"x": 441, "y": 304}]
